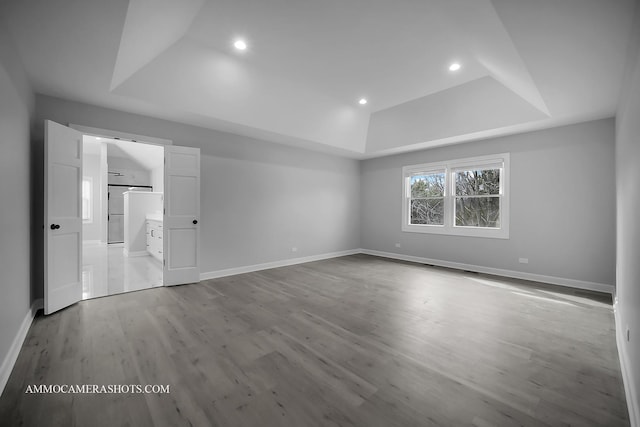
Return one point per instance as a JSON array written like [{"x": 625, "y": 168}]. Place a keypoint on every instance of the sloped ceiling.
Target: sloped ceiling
[
  {"x": 146, "y": 156},
  {"x": 526, "y": 64}
]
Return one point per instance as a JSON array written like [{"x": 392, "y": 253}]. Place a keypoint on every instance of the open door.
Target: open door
[
  {"x": 181, "y": 215},
  {"x": 62, "y": 216}
]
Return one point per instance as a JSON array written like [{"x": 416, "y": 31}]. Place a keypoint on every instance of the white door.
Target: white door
[
  {"x": 181, "y": 215},
  {"x": 63, "y": 217}
]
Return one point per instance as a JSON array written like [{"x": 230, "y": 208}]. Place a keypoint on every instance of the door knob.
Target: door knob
[
  {"x": 55, "y": 226},
  {"x": 195, "y": 221}
]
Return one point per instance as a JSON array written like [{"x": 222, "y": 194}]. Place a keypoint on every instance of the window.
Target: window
[
  {"x": 427, "y": 198},
  {"x": 466, "y": 197},
  {"x": 477, "y": 193},
  {"x": 87, "y": 206}
]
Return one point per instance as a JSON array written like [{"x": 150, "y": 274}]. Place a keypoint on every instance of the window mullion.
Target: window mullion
[{"x": 450, "y": 194}]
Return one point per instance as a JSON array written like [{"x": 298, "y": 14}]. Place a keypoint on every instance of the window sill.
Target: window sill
[{"x": 490, "y": 233}]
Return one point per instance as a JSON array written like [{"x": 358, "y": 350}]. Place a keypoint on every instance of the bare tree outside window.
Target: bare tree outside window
[
  {"x": 427, "y": 199},
  {"x": 477, "y": 198}
]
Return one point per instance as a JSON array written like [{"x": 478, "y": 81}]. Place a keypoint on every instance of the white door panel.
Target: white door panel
[
  {"x": 63, "y": 217},
  {"x": 182, "y": 253},
  {"x": 182, "y": 215}
]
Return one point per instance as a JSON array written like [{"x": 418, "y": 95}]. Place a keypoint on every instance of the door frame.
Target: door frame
[{"x": 114, "y": 134}]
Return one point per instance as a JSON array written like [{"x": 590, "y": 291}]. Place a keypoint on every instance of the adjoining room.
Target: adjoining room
[{"x": 121, "y": 216}]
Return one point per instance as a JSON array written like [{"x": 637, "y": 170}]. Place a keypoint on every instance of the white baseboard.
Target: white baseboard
[
  {"x": 135, "y": 254},
  {"x": 633, "y": 402},
  {"x": 572, "y": 283},
  {"x": 11, "y": 357},
  {"x": 275, "y": 264}
]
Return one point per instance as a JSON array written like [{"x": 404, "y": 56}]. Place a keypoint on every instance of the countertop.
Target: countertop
[{"x": 154, "y": 217}]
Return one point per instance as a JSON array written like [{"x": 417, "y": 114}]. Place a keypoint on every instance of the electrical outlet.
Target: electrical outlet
[
  {"x": 398, "y": 245},
  {"x": 294, "y": 249},
  {"x": 523, "y": 260}
]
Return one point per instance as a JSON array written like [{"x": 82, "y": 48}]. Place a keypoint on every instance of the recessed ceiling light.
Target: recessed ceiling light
[
  {"x": 454, "y": 67},
  {"x": 362, "y": 101},
  {"x": 240, "y": 44}
]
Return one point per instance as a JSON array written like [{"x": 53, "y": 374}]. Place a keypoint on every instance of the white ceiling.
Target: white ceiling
[
  {"x": 526, "y": 64},
  {"x": 148, "y": 156}
]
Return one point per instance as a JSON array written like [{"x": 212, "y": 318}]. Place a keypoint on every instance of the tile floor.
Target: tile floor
[{"x": 106, "y": 271}]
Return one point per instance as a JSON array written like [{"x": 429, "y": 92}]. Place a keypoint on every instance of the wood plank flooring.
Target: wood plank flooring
[{"x": 351, "y": 341}]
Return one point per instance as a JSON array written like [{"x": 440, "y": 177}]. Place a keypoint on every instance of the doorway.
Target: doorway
[
  {"x": 68, "y": 214},
  {"x": 122, "y": 194}
]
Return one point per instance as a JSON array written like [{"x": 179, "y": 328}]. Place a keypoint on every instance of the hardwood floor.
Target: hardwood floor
[{"x": 352, "y": 341}]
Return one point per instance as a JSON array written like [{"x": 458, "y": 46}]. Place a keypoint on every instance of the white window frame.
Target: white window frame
[
  {"x": 450, "y": 167},
  {"x": 90, "y": 181}
]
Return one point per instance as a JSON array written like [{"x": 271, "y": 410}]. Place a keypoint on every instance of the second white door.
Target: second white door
[{"x": 181, "y": 215}]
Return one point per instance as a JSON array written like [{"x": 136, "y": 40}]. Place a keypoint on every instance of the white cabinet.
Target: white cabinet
[
  {"x": 139, "y": 206},
  {"x": 154, "y": 239}
]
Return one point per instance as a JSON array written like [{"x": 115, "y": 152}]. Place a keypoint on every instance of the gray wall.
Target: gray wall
[
  {"x": 571, "y": 237},
  {"x": 16, "y": 103},
  {"x": 258, "y": 199},
  {"x": 628, "y": 219}
]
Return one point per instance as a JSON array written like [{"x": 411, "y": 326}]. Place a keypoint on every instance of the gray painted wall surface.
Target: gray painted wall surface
[
  {"x": 628, "y": 217},
  {"x": 258, "y": 199},
  {"x": 572, "y": 236},
  {"x": 16, "y": 102}
]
